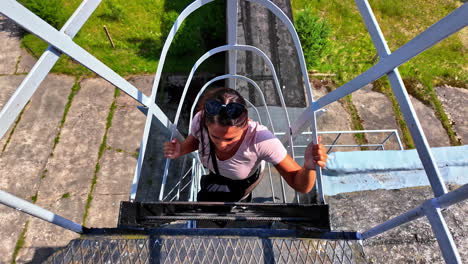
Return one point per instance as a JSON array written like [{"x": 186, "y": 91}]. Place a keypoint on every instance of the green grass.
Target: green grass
[
  {"x": 136, "y": 28},
  {"x": 66, "y": 195},
  {"x": 352, "y": 51}
]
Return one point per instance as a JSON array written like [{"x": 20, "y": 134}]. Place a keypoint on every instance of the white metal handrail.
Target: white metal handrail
[{"x": 61, "y": 42}]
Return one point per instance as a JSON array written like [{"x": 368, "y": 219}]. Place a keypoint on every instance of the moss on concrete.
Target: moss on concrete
[
  {"x": 20, "y": 243},
  {"x": 102, "y": 148}
]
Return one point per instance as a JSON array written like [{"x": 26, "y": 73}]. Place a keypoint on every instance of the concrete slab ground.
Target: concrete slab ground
[
  {"x": 454, "y": 101},
  {"x": 69, "y": 171},
  {"x": 8, "y": 85},
  {"x": 433, "y": 129},
  {"x": 119, "y": 160},
  {"x": 376, "y": 112},
  {"x": 24, "y": 159},
  {"x": 10, "y": 43},
  {"x": 336, "y": 118},
  {"x": 410, "y": 243}
]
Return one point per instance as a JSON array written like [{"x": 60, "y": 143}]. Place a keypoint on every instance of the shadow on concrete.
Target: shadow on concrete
[
  {"x": 41, "y": 254},
  {"x": 9, "y": 26}
]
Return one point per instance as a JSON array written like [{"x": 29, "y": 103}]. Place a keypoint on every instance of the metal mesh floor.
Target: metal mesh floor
[{"x": 208, "y": 249}]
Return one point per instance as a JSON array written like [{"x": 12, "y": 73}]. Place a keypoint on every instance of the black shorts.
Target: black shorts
[{"x": 217, "y": 188}]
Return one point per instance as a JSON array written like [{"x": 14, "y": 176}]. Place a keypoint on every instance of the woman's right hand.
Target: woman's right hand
[{"x": 172, "y": 149}]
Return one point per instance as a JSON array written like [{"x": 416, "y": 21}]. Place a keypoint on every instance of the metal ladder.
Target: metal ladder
[{"x": 107, "y": 244}]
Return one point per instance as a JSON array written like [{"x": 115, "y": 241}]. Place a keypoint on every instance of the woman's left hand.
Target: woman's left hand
[{"x": 315, "y": 154}]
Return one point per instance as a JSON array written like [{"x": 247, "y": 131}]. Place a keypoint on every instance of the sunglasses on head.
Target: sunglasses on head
[{"x": 233, "y": 110}]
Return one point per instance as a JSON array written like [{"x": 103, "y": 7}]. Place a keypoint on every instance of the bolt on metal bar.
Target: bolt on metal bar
[{"x": 39, "y": 212}]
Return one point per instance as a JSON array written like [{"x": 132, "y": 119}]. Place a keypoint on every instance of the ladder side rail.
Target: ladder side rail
[
  {"x": 189, "y": 79},
  {"x": 231, "y": 20},
  {"x": 42, "y": 67},
  {"x": 402, "y": 96},
  {"x": 313, "y": 117},
  {"x": 253, "y": 83},
  {"x": 153, "y": 108},
  {"x": 39, "y": 212}
]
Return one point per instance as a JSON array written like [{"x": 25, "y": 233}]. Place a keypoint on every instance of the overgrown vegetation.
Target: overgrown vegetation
[
  {"x": 314, "y": 34},
  {"x": 49, "y": 10},
  {"x": 138, "y": 29},
  {"x": 352, "y": 52}
]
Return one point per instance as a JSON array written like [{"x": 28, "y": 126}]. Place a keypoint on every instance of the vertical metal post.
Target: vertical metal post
[
  {"x": 441, "y": 231},
  {"x": 402, "y": 96},
  {"x": 231, "y": 20}
]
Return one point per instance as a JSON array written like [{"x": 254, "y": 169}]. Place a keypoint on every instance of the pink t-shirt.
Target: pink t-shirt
[{"x": 258, "y": 144}]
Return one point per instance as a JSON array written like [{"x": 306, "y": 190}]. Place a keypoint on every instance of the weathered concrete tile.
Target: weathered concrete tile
[
  {"x": 127, "y": 128},
  {"x": 8, "y": 85},
  {"x": 10, "y": 49},
  {"x": 376, "y": 112},
  {"x": 361, "y": 211},
  {"x": 12, "y": 225},
  {"x": 143, "y": 83},
  {"x": 129, "y": 122},
  {"x": 454, "y": 101},
  {"x": 26, "y": 62},
  {"x": 42, "y": 235},
  {"x": 433, "y": 129},
  {"x": 116, "y": 173},
  {"x": 104, "y": 210},
  {"x": 336, "y": 118},
  {"x": 35, "y": 132},
  {"x": 71, "y": 169},
  {"x": 28, "y": 150},
  {"x": 73, "y": 164}
]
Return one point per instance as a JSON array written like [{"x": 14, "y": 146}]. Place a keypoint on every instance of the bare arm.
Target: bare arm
[
  {"x": 302, "y": 179},
  {"x": 175, "y": 149}
]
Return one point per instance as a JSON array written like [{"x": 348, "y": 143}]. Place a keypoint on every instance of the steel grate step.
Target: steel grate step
[
  {"x": 310, "y": 216},
  {"x": 180, "y": 248}
]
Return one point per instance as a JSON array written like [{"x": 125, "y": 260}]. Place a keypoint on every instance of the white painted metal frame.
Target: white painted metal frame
[
  {"x": 61, "y": 42},
  {"x": 43, "y": 66},
  {"x": 189, "y": 79},
  {"x": 437, "y": 32}
]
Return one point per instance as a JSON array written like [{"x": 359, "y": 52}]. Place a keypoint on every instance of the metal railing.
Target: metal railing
[{"x": 61, "y": 42}]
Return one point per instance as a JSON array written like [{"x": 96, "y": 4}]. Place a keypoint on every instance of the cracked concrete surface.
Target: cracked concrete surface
[{"x": 27, "y": 166}]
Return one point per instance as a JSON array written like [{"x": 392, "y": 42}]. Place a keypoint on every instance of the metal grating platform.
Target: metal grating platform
[{"x": 208, "y": 249}]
